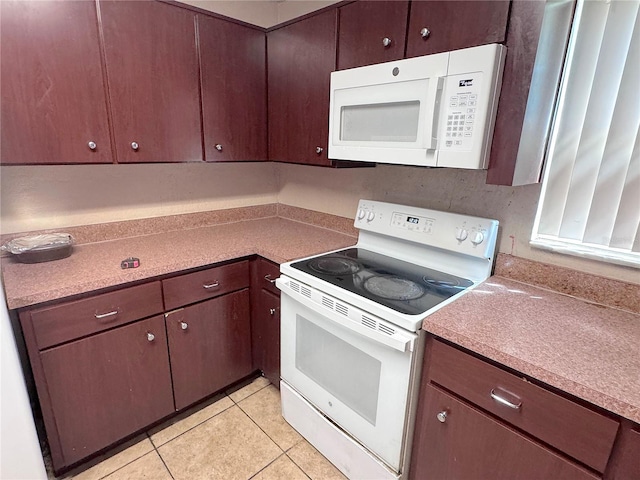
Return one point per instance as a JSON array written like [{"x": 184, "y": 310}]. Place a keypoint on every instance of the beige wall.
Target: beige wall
[
  {"x": 34, "y": 198},
  {"x": 40, "y": 197},
  {"x": 264, "y": 13},
  {"x": 460, "y": 191}
]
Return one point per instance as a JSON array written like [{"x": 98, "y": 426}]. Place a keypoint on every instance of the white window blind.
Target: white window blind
[{"x": 590, "y": 202}]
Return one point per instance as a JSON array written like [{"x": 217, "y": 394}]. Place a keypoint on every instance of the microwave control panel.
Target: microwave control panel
[{"x": 462, "y": 106}]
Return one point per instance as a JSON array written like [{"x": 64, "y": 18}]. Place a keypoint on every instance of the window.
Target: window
[{"x": 590, "y": 201}]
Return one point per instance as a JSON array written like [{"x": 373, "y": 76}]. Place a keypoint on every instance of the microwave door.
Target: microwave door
[{"x": 394, "y": 121}]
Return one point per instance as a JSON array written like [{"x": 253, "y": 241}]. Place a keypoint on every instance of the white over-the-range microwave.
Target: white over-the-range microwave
[{"x": 435, "y": 111}]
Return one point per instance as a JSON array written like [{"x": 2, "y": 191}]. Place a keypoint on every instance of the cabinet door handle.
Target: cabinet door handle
[
  {"x": 135, "y": 146},
  {"x": 504, "y": 401},
  {"x": 92, "y": 145},
  {"x": 150, "y": 337},
  {"x": 269, "y": 279},
  {"x": 386, "y": 41},
  {"x": 319, "y": 150},
  {"x": 184, "y": 325},
  {"x": 100, "y": 316},
  {"x": 218, "y": 147},
  {"x": 211, "y": 285},
  {"x": 442, "y": 416},
  {"x": 272, "y": 311},
  {"x": 424, "y": 33}
]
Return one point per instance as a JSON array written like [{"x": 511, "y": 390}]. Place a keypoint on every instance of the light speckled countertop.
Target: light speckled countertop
[
  {"x": 586, "y": 349},
  {"x": 97, "y": 265}
]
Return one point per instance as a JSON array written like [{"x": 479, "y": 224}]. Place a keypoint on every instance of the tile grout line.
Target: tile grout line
[
  {"x": 268, "y": 464},
  {"x": 284, "y": 452},
  {"x": 155, "y": 448},
  {"x": 294, "y": 462},
  {"x": 191, "y": 428},
  {"x": 160, "y": 456}
]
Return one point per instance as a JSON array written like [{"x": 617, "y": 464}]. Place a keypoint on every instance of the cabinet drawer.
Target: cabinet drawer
[
  {"x": 579, "y": 432},
  {"x": 267, "y": 274},
  {"x": 193, "y": 287},
  {"x": 456, "y": 441},
  {"x": 68, "y": 321}
]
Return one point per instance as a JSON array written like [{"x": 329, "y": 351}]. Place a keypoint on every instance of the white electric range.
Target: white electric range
[{"x": 351, "y": 343}]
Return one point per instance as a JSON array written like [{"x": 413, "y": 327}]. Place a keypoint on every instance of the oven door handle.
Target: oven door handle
[{"x": 400, "y": 340}]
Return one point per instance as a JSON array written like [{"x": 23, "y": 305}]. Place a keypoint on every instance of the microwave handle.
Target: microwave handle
[{"x": 439, "y": 87}]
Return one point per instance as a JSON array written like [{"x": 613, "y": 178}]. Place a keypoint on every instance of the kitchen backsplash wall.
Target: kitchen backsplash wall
[
  {"x": 42, "y": 197},
  {"x": 460, "y": 191},
  {"x": 49, "y": 197}
]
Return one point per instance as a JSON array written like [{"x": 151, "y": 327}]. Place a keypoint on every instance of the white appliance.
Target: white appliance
[
  {"x": 351, "y": 343},
  {"x": 435, "y": 111},
  {"x": 20, "y": 455}
]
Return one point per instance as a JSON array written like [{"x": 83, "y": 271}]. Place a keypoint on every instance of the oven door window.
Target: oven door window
[
  {"x": 357, "y": 381},
  {"x": 344, "y": 371}
]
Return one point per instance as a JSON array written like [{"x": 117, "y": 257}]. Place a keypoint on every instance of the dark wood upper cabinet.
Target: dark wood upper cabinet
[
  {"x": 152, "y": 67},
  {"x": 51, "y": 58},
  {"x": 522, "y": 45},
  {"x": 234, "y": 97},
  {"x": 301, "y": 56},
  {"x": 372, "y": 32},
  {"x": 209, "y": 346},
  {"x": 440, "y": 26}
]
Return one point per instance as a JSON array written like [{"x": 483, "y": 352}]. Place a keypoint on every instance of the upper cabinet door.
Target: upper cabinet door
[
  {"x": 51, "y": 57},
  {"x": 234, "y": 96},
  {"x": 440, "y": 26},
  {"x": 152, "y": 67},
  {"x": 301, "y": 58},
  {"x": 372, "y": 32}
]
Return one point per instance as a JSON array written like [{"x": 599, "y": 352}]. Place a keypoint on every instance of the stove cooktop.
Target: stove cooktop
[{"x": 401, "y": 286}]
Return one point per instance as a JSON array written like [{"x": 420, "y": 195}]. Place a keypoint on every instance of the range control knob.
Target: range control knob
[
  {"x": 477, "y": 238},
  {"x": 361, "y": 214},
  {"x": 461, "y": 234},
  {"x": 370, "y": 216}
]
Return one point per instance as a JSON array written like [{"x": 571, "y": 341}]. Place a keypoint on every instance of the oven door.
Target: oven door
[{"x": 353, "y": 374}]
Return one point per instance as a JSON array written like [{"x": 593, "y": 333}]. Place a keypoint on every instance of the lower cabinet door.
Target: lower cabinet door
[
  {"x": 269, "y": 315},
  {"x": 107, "y": 386},
  {"x": 209, "y": 346},
  {"x": 456, "y": 441}
]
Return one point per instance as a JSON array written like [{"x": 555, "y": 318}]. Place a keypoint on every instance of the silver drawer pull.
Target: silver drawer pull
[
  {"x": 211, "y": 285},
  {"x": 100, "y": 316},
  {"x": 184, "y": 325},
  {"x": 269, "y": 279},
  {"x": 504, "y": 401},
  {"x": 272, "y": 311},
  {"x": 150, "y": 337}
]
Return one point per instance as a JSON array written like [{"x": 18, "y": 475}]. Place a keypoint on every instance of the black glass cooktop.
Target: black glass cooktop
[{"x": 402, "y": 286}]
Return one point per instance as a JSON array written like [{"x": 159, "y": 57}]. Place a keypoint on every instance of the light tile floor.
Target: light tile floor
[{"x": 239, "y": 435}]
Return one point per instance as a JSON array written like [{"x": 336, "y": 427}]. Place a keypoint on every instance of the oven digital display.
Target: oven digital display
[{"x": 412, "y": 223}]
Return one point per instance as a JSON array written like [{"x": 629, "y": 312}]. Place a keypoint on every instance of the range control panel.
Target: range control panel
[{"x": 466, "y": 234}]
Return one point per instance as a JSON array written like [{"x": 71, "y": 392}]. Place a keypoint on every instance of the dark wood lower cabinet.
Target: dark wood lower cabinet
[
  {"x": 107, "y": 386},
  {"x": 265, "y": 319},
  {"x": 209, "y": 345},
  {"x": 457, "y": 441},
  {"x": 269, "y": 316}
]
